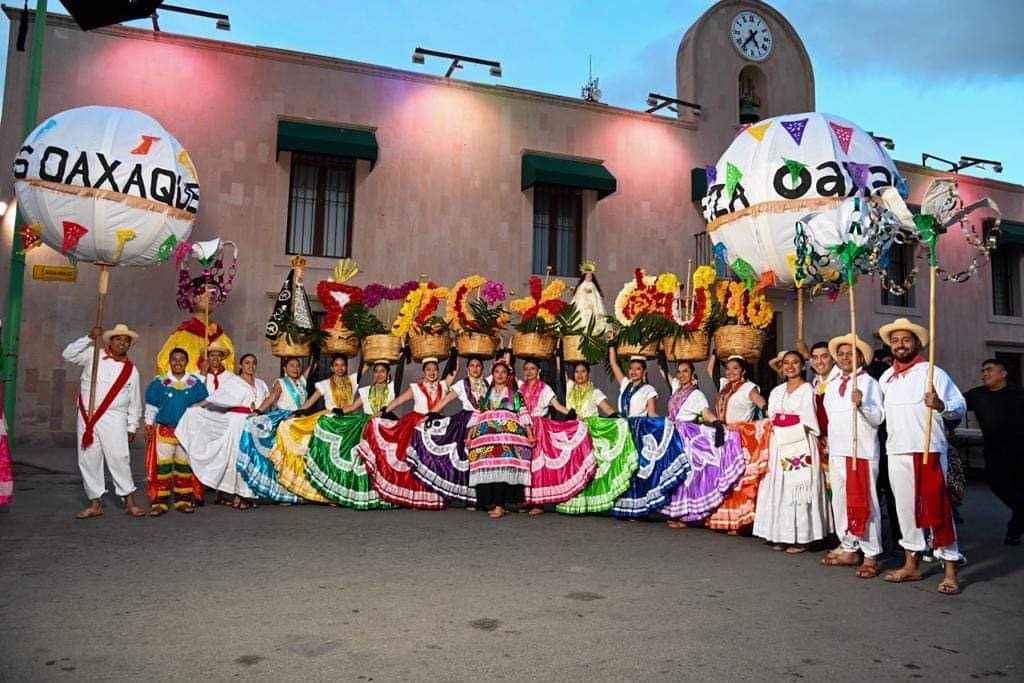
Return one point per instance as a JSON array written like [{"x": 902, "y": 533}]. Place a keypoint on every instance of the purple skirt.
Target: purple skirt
[
  {"x": 713, "y": 472},
  {"x": 438, "y": 459}
]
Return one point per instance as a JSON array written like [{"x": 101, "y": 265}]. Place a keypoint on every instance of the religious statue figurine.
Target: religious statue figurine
[{"x": 588, "y": 299}]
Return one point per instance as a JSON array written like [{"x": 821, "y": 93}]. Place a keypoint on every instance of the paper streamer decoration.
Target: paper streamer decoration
[
  {"x": 712, "y": 173},
  {"x": 123, "y": 237},
  {"x": 744, "y": 272},
  {"x": 30, "y": 237},
  {"x": 101, "y": 169},
  {"x": 733, "y": 176},
  {"x": 795, "y": 129},
  {"x": 795, "y": 169},
  {"x": 844, "y": 134},
  {"x": 166, "y": 248},
  {"x": 759, "y": 130}
]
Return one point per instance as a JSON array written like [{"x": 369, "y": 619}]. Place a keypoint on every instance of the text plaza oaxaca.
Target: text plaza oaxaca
[{"x": 447, "y": 370}]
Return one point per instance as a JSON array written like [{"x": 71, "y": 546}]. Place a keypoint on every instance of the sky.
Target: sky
[{"x": 944, "y": 77}]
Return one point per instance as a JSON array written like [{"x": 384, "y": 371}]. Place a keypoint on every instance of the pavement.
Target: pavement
[{"x": 317, "y": 593}]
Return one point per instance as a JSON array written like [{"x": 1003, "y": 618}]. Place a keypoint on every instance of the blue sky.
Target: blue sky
[{"x": 944, "y": 76}]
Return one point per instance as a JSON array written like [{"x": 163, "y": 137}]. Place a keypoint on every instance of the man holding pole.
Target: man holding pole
[
  {"x": 855, "y": 508},
  {"x": 108, "y": 415},
  {"x": 917, "y": 478}
]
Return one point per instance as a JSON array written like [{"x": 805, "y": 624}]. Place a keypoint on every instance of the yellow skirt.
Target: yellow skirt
[{"x": 289, "y": 455}]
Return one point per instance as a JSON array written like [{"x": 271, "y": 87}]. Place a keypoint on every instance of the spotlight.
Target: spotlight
[
  {"x": 964, "y": 162},
  {"x": 224, "y": 24},
  {"x": 419, "y": 55},
  {"x": 888, "y": 143},
  {"x": 656, "y": 102}
]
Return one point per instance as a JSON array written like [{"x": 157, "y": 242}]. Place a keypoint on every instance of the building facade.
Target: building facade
[{"x": 439, "y": 177}]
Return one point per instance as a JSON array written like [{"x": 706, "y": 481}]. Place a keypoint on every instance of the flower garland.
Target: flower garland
[
  {"x": 417, "y": 307},
  {"x": 543, "y": 301},
  {"x": 646, "y": 295},
  {"x": 743, "y": 307},
  {"x": 335, "y": 298},
  {"x": 457, "y": 311}
]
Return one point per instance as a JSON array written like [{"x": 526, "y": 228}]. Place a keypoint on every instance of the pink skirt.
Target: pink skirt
[{"x": 563, "y": 461}]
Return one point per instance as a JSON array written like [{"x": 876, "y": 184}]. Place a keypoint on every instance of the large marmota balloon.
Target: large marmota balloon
[
  {"x": 780, "y": 170},
  {"x": 107, "y": 185}
]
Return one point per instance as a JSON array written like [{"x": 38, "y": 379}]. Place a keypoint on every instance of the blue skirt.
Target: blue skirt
[
  {"x": 255, "y": 466},
  {"x": 663, "y": 467}
]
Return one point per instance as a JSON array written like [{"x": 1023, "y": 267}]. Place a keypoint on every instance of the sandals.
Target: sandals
[
  {"x": 497, "y": 513},
  {"x": 157, "y": 509},
  {"x": 868, "y": 570},
  {"x": 536, "y": 511},
  {"x": 89, "y": 512},
  {"x": 949, "y": 587},
  {"x": 135, "y": 511},
  {"x": 836, "y": 560},
  {"x": 796, "y": 549},
  {"x": 676, "y": 524},
  {"x": 184, "y": 506},
  {"x": 902, "y": 576}
]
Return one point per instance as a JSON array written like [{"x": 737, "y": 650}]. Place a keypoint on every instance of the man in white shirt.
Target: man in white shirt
[
  {"x": 854, "y": 470},
  {"x": 908, "y": 405},
  {"x": 217, "y": 372},
  {"x": 106, "y": 434}
]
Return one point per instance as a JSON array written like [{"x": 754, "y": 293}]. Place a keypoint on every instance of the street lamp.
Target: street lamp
[
  {"x": 420, "y": 54},
  {"x": 888, "y": 143},
  {"x": 223, "y": 20},
  {"x": 964, "y": 162},
  {"x": 656, "y": 102}
]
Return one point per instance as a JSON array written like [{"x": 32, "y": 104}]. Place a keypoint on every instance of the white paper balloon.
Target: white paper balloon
[
  {"x": 107, "y": 185},
  {"x": 783, "y": 169}
]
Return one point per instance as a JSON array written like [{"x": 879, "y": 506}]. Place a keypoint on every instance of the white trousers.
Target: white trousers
[
  {"x": 110, "y": 445},
  {"x": 871, "y": 541},
  {"x": 901, "y": 479}
]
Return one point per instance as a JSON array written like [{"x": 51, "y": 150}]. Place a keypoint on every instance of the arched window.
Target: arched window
[{"x": 752, "y": 89}]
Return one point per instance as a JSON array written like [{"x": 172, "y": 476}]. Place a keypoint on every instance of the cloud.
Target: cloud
[{"x": 944, "y": 40}]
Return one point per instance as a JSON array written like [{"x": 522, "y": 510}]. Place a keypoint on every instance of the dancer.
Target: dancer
[
  {"x": 167, "y": 398},
  {"x": 217, "y": 370},
  {"x": 715, "y": 455},
  {"x": 499, "y": 441},
  {"x": 663, "y": 464},
  {"x": 104, "y": 437},
  {"x": 6, "y": 471},
  {"x": 615, "y": 454},
  {"x": 792, "y": 510},
  {"x": 211, "y": 433},
  {"x": 563, "y": 460}
]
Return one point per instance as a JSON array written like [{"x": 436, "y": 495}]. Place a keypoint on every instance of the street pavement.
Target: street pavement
[{"x": 318, "y": 593}]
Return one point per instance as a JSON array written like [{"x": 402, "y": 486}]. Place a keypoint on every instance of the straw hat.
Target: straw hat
[
  {"x": 862, "y": 346},
  {"x": 120, "y": 330},
  {"x": 903, "y": 324},
  {"x": 217, "y": 346}
]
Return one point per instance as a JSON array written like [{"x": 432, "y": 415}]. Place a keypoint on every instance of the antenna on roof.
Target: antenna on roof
[{"x": 590, "y": 92}]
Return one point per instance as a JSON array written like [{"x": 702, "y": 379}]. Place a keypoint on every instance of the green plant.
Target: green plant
[
  {"x": 435, "y": 324},
  {"x": 301, "y": 335},
  {"x": 486, "y": 320},
  {"x": 645, "y": 329},
  {"x": 361, "y": 322}
]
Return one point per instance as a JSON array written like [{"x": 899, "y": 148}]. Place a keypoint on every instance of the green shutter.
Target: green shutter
[
  {"x": 1013, "y": 233},
  {"x": 352, "y": 143},
  {"x": 586, "y": 175}
]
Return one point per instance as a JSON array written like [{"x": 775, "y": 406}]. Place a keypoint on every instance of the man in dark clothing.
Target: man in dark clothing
[{"x": 999, "y": 407}]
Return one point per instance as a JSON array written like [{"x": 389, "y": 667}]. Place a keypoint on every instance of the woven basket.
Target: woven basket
[
  {"x": 282, "y": 348},
  {"x": 382, "y": 347},
  {"x": 571, "y": 352},
  {"x": 739, "y": 340},
  {"x": 340, "y": 340},
  {"x": 695, "y": 347},
  {"x": 475, "y": 345},
  {"x": 532, "y": 345},
  {"x": 649, "y": 350},
  {"x": 429, "y": 346}
]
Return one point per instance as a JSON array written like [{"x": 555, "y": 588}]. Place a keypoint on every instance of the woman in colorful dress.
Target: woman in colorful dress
[
  {"x": 738, "y": 400},
  {"x": 714, "y": 469},
  {"x": 614, "y": 452},
  {"x": 333, "y": 464},
  {"x": 211, "y": 433},
  {"x": 438, "y": 454},
  {"x": 563, "y": 460},
  {"x": 499, "y": 441},
  {"x": 386, "y": 442},
  {"x": 287, "y": 395},
  {"x": 792, "y": 510},
  {"x": 663, "y": 464},
  {"x": 6, "y": 471}
]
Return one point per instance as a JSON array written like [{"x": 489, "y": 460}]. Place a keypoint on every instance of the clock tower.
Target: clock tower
[{"x": 741, "y": 61}]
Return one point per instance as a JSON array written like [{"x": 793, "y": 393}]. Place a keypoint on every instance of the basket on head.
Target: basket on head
[
  {"x": 533, "y": 345},
  {"x": 475, "y": 345},
  {"x": 739, "y": 340},
  {"x": 429, "y": 345},
  {"x": 692, "y": 347},
  {"x": 340, "y": 340},
  {"x": 571, "y": 352},
  {"x": 385, "y": 348},
  {"x": 649, "y": 350},
  {"x": 282, "y": 347}
]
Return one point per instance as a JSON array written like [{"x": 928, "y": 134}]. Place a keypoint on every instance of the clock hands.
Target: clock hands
[{"x": 750, "y": 37}]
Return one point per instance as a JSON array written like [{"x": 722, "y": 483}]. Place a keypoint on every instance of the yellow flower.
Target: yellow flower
[
  {"x": 667, "y": 283},
  {"x": 457, "y": 309},
  {"x": 704, "y": 277},
  {"x": 553, "y": 290}
]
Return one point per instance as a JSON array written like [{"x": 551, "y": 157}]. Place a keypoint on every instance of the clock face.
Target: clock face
[{"x": 751, "y": 36}]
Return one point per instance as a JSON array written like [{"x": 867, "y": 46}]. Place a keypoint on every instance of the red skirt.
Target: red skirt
[
  {"x": 563, "y": 461},
  {"x": 384, "y": 448}
]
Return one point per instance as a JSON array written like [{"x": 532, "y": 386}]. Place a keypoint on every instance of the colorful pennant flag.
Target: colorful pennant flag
[
  {"x": 31, "y": 236},
  {"x": 144, "y": 146},
  {"x": 795, "y": 129},
  {"x": 745, "y": 272},
  {"x": 795, "y": 169},
  {"x": 123, "y": 237},
  {"x": 742, "y": 130},
  {"x": 929, "y": 228},
  {"x": 767, "y": 280},
  {"x": 843, "y": 134},
  {"x": 732, "y": 178},
  {"x": 712, "y": 173},
  {"x": 758, "y": 131},
  {"x": 166, "y": 248},
  {"x": 185, "y": 160},
  {"x": 791, "y": 260},
  {"x": 73, "y": 232},
  {"x": 860, "y": 174},
  {"x": 721, "y": 268}
]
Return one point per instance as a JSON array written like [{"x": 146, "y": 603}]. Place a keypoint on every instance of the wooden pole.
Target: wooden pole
[
  {"x": 101, "y": 293},
  {"x": 206, "y": 325},
  {"x": 799, "y": 312},
  {"x": 856, "y": 368},
  {"x": 931, "y": 359},
  {"x": 687, "y": 296}
]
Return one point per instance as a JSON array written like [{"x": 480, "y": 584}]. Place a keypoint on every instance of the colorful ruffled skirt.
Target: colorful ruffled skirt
[
  {"x": 617, "y": 462},
  {"x": 563, "y": 461},
  {"x": 438, "y": 457},
  {"x": 289, "y": 456},
  {"x": 499, "y": 450},
  {"x": 384, "y": 449},
  {"x": 737, "y": 510},
  {"x": 333, "y": 465},
  {"x": 663, "y": 466},
  {"x": 713, "y": 472},
  {"x": 254, "y": 464},
  {"x": 6, "y": 471}
]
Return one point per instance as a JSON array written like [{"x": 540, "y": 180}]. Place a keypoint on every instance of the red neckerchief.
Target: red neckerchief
[
  {"x": 216, "y": 378},
  {"x": 109, "y": 355},
  {"x": 845, "y": 379},
  {"x": 899, "y": 368},
  {"x": 199, "y": 329},
  {"x": 432, "y": 401},
  {"x": 115, "y": 389},
  {"x": 725, "y": 394}
]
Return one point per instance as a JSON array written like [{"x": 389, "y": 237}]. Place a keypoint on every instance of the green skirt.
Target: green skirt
[
  {"x": 617, "y": 462},
  {"x": 333, "y": 466}
]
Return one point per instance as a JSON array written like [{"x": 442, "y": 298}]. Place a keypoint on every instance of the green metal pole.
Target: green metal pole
[{"x": 16, "y": 284}]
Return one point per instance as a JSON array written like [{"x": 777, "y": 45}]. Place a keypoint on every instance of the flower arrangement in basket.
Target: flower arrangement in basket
[
  {"x": 692, "y": 312},
  {"x": 644, "y": 313},
  {"x": 740, "y": 313},
  {"x": 476, "y": 319},
  {"x": 429, "y": 335},
  {"x": 336, "y": 297},
  {"x": 538, "y": 329},
  {"x": 373, "y": 320},
  {"x": 290, "y": 328}
]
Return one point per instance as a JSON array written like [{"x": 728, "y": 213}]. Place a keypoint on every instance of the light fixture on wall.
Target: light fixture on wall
[
  {"x": 656, "y": 102},
  {"x": 223, "y": 20},
  {"x": 420, "y": 54},
  {"x": 888, "y": 143},
  {"x": 964, "y": 162}
]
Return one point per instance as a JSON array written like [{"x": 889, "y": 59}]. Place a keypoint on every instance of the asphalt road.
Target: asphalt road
[{"x": 317, "y": 593}]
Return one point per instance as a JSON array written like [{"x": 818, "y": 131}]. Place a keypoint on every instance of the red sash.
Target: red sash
[
  {"x": 115, "y": 389},
  {"x": 931, "y": 503},
  {"x": 858, "y": 500},
  {"x": 197, "y": 328},
  {"x": 241, "y": 409}
]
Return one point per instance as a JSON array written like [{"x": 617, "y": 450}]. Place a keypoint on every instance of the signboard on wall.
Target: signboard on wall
[{"x": 55, "y": 273}]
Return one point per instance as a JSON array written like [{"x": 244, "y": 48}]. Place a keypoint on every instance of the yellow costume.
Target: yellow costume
[{"x": 191, "y": 337}]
